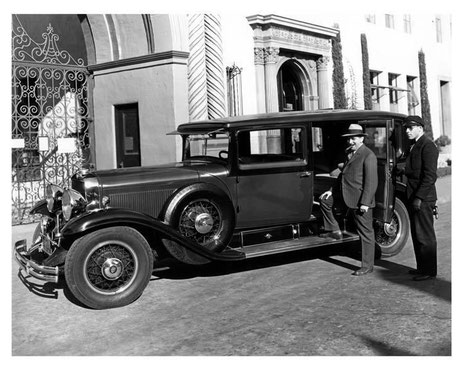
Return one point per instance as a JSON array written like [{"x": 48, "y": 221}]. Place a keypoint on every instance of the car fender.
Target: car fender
[
  {"x": 40, "y": 208},
  {"x": 186, "y": 191},
  {"x": 92, "y": 221}
]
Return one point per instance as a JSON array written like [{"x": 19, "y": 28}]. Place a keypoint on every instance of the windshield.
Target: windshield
[{"x": 209, "y": 145}]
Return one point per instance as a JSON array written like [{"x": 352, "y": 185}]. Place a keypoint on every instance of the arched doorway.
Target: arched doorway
[
  {"x": 290, "y": 89},
  {"x": 50, "y": 106}
]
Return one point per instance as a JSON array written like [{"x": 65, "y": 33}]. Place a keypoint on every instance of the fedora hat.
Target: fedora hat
[
  {"x": 354, "y": 130},
  {"x": 413, "y": 121}
]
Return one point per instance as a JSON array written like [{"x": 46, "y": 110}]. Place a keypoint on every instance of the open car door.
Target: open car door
[{"x": 379, "y": 140}]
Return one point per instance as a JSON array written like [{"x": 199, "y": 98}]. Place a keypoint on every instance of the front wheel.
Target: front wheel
[
  {"x": 392, "y": 237},
  {"x": 109, "y": 268}
]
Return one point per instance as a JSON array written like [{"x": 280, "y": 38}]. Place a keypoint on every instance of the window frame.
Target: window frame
[
  {"x": 279, "y": 165},
  {"x": 390, "y": 21}
]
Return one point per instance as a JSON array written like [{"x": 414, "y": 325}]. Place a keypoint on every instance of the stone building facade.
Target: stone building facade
[{"x": 105, "y": 89}]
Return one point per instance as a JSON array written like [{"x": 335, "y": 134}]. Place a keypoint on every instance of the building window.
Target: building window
[
  {"x": 370, "y": 18},
  {"x": 234, "y": 91},
  {"x": 412, "y": 98},
  {"x": 438, "y": 29},
  {"x": 390, "y": 21},
  {"x": 393, "y": 92},
  {"x": 407, "y": 24},
  {"x": 375, "y": 89}
]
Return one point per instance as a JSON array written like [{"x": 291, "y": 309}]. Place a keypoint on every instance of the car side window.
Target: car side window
[
  {"x": 212, "y": 145},
  {"x": 376, "y": 140},
  {"x": 270, "y": 148}
]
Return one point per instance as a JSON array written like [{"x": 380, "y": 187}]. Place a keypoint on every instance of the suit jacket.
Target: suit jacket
[
  {"x": 421, "y": 170},
  {"x": 359, "y": 179}
]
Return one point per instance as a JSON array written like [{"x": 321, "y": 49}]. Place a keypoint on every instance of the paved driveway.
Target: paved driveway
[{"x": 304, "y": 303}]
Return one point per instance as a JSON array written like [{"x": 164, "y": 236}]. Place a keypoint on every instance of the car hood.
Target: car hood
[{"x": 170, "y": 175}]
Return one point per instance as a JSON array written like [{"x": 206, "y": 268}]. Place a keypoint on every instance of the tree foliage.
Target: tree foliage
[
  {"x": 366, "y": 74},
  {"x": 339, "y": 93},
  {"x": 425, "y": 106}
]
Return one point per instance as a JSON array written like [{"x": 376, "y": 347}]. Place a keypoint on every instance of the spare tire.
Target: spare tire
[{"x": 204, "y": 217}]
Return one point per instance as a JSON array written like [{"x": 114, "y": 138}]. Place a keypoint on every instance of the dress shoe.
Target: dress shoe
[
  {"x": 415, "y": 272},
  {"x": 332, "y": 234},
  {"x": 363, "y": 271},
  {"x": 424, "y": 277}
]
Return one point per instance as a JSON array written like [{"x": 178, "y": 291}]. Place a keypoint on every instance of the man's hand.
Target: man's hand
[
  {"x": 416, "y": 204},
  {"x": 363, "y": 209},
  {"x": 326, "y": 194}
]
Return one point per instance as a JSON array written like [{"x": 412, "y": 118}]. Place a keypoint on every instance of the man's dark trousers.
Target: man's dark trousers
[
  {"x": 363, "y": 222},
  {"x": 424, "y": 238}
]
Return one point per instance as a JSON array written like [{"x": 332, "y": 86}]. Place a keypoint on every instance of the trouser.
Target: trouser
[
  {"x": 363, "y": 223},
  {"x": 424, "y": 238}
]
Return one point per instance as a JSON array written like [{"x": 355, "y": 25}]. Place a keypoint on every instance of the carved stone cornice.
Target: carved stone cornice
[{"x": 298, "y": 37}]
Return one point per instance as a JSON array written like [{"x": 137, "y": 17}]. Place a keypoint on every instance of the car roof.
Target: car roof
[{"x": 263, "y": 119}]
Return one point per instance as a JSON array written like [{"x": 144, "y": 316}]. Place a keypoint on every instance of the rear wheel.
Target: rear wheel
[
  {"x": 109, "y": 268},
  {"x": 392, "y": 237}
]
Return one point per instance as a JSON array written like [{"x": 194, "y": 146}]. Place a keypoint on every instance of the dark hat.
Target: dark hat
[
  {"x": 413, "y": 121},
  {"x": 354, "y": 130}
]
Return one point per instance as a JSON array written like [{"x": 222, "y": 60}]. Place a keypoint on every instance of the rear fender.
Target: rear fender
[{"x": 92, "y": 221}]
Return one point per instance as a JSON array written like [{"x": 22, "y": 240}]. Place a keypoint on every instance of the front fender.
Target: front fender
[
  {"x": 92, "y": 221},
  {"x": 40, "y": 208}
]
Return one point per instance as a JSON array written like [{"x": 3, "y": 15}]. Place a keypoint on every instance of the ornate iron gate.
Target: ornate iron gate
[{"x": 50, "y": 118}]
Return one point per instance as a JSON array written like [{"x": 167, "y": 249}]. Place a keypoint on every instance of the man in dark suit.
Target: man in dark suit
[
  {"x": 421, "y": 173},
  {"x": 355, "y": 190}
]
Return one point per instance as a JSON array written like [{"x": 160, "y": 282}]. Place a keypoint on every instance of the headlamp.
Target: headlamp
[
  {"x": 53, "y": 194},
  {"x": 69, "y": 200}
]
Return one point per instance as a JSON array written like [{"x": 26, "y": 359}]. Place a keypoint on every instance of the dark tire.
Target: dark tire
[
  {"x": 109, "y": 268},
  {"x": 392, "y": 237},
  {"x": 205, "y": 218}
]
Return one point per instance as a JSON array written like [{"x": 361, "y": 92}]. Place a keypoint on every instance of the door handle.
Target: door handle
[{"x": 305, "y": 174}]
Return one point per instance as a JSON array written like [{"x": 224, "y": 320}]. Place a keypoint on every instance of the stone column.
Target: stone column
[
  {"x": 323, "y": 82},
  {"x": 206, "y": 72},
  {"x": 197, "y": 81},
  {"x": 271, "y": 86},
  {"x": 260, "y": 78}
]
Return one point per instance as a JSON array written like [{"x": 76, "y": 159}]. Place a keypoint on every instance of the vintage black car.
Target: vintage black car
[{"x": 247, "y": 186}]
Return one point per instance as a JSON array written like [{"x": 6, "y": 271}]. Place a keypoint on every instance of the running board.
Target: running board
[{"x": 266, "y": 249}]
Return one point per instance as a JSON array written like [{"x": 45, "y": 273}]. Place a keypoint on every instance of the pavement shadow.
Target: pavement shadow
[
  {"x": 398, "y": 274},
  {"x": 49, "y": 290},
  {"x": 383, "y": 349}
]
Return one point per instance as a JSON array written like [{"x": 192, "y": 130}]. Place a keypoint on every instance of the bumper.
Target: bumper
[{"x": 45, "y": 273}]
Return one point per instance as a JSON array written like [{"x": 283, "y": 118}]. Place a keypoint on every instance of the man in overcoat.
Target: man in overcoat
[
  {"x": 355, "y": 190},
  {"x": 421, "y": 173}
]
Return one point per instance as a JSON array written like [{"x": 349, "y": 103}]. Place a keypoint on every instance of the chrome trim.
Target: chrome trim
[{"x": 44, "y": 273}]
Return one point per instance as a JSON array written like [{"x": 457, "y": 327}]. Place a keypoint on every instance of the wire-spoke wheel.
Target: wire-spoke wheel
[
  {"x": 109, "y": 268},
  {"x": 201, "y": 220},
  {"x": 203, "y": 217},
  {"x": 392, "y": 237}
]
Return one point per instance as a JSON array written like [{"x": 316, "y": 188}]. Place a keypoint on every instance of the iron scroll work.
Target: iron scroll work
[{"x": 50, "y": 118}]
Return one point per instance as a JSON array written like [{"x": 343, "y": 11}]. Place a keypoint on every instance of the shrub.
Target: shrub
[{"x": 442, "y": 140}]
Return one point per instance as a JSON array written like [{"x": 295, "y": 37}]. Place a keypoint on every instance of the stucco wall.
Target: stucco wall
[{"x": 161, "y": 93}]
